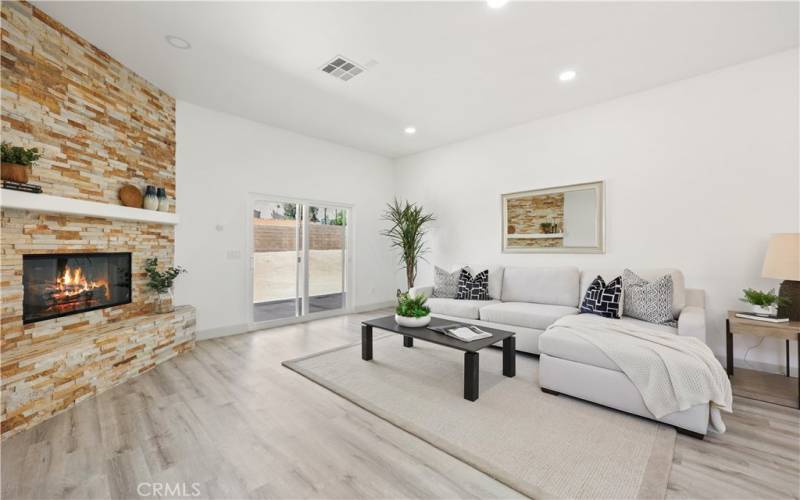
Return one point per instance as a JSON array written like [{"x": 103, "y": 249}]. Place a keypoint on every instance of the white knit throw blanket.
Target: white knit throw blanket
[{"x": 672, "y": 373}]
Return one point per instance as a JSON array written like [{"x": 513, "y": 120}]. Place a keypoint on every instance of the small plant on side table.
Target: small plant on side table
[
  {"x": 412, "y": 311},
  {"x": 161, "y": 282},
  {"x": 765, "y": 303}
]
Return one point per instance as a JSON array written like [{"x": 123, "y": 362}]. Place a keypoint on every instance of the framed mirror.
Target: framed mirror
[{"x": 564, "y": 219}]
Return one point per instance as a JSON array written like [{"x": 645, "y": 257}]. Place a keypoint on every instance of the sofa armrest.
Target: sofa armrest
[
  {"x": 417, "y": 290},
  {"x": 692, "y": 322}
]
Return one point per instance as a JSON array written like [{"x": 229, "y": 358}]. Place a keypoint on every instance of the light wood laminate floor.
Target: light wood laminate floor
[{"x": 228, "y": 417}]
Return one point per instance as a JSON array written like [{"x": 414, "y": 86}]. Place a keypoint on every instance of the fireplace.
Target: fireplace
[{"x": 61, "y": 284}]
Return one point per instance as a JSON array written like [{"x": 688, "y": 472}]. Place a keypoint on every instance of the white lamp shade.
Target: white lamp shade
[{"x": 783, "y": 257}]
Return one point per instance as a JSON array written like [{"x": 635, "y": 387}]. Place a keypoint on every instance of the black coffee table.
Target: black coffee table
[{"x": 470, "y": 348}]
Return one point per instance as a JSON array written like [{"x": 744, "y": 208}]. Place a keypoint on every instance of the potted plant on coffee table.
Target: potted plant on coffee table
[
  {"x": 763, "y": 303},
  {"x": 161, "y": 282},
  {"x": 412, "y": 311}
]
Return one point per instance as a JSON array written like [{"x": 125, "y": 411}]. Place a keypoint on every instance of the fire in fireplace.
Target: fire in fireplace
[{"x": 60, "y": 284}]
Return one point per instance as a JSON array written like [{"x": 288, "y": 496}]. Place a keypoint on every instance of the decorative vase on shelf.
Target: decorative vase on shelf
[
  {"x": 412, "y": 322},
  {"x": 164, "y": 302},
  {"x": 150, "y": 198},
  {"x": 163, "y": 201}
]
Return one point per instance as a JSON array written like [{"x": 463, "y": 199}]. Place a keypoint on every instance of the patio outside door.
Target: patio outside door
[{"x": 298, "y": 264}]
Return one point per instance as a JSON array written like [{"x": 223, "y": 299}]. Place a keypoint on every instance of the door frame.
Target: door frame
[{"x": 349, "y": 263}]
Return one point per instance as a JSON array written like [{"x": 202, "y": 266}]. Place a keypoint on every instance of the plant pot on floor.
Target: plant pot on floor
[{"x": 412, "y": 322}]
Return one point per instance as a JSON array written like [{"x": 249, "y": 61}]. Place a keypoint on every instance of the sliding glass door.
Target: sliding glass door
[{"x": 299, "y": 259}]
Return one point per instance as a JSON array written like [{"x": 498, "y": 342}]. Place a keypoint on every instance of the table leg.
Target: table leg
[
  {"x": 408, "y": 341},
  {"x": 471, "y": 376},
  {"x": 509, "y": 357},
  {"x": 366, "y": 342},
  {"x": 729, "y": 346},
  {"x": 787, "y": 358}
]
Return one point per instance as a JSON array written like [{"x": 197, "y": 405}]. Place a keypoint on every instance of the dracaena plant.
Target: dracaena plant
[
  {"x": 412, "y": 307},
  {"x": 161, "y": 281},
  {"x": 407, "y": 232}
]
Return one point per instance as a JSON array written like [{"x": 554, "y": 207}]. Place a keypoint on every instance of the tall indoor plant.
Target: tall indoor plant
[{"x": 408, "y": 227}]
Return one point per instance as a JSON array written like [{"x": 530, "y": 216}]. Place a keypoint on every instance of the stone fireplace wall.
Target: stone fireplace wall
[{"x": 99, "y": 126}]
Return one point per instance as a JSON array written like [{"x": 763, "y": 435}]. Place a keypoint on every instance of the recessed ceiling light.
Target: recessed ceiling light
[
  {"x": 567, "y": 75},
  {"x": 496, "y": 4},
  {"x": 410, "y": 130},
  {"x": 178, "y": 42}
]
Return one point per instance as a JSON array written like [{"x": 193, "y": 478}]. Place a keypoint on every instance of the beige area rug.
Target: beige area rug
[{"x": 541, "y": 445}]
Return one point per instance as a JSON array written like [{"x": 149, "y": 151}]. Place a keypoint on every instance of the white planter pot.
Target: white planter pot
[
  {"x": 765, "y": 311},
  {"x": 412, "y": 322}
]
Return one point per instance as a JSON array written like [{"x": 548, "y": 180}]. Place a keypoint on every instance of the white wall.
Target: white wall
[
  {"x": 220, "y": 159},
  {"x": 698, "y": 174}
]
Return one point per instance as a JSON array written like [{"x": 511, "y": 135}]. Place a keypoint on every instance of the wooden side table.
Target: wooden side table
[{"x": 787, "y": 331}]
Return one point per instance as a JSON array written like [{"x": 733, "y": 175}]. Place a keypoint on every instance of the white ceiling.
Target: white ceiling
[{"x": 453, "y": 70}]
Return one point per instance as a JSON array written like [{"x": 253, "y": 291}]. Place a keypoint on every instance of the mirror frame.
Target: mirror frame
[{"x": 598, "y": 186}]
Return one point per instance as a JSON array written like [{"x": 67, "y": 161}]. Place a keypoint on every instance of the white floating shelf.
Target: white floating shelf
[
  {"x": 57, "y": 204},
  {"x": 534, "y": 236}
]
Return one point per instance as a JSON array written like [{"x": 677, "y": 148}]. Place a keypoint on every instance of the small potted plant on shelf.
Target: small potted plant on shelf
[
  {"x": 16, "y": 161},
  {"x": 412, "y": 311},
  {"x": 161, "y": 283},
  {"x": 763, "y": 303}
]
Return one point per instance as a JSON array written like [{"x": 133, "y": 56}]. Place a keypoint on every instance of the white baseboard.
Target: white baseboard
[
  {"x": 225, "y": 331},
  {"x": 374, "y": 306},
  {"x": 222, "y": 331}
]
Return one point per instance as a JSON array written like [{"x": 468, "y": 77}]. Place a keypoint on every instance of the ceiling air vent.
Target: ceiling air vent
[{"x": 342, "y": 68}]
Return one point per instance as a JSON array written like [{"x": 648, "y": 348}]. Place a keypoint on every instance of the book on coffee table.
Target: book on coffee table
[{"x": 466, "y": 333}]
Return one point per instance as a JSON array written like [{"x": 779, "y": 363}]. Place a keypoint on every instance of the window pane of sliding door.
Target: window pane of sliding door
[
  {"x": 276, "y": 255},
  {"x": 326, "y": 258}
]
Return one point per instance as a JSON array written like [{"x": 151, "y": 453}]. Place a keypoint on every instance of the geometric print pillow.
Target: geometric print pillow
[
  {"x": 445, "y": 285},
  {"x": 473, "y": 288},
  {"x": 649, "y": 301},
  {"x": 604, "y": 299}
]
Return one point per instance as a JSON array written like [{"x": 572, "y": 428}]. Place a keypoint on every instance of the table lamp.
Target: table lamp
[{"x": 783, "y": 262}]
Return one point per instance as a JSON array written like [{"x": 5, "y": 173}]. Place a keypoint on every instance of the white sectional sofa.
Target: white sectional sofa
[{"x": 527, "y": 300}]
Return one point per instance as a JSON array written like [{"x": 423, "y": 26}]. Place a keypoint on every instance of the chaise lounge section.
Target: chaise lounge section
[{"x": 527, "y": 300}]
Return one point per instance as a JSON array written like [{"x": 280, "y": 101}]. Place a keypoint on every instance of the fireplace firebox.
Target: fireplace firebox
[{"x": 61, "y": 284}]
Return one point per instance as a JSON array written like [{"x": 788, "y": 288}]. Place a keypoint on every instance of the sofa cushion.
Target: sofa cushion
[
  {"x": 467, "y": 309},
  {"x": 678, "y": 283},
  {"x": 604, "y": 299},
  {"x": 537, "y": 316},
  {"x": 445, "y": 284},
  {"x": 542, "y": 285},
  {"x": 565, "y": 345},
  {"x": 473, "y": 287},
  {"x": 495, "y": 278},
  {"x": 649, "y": 301}
]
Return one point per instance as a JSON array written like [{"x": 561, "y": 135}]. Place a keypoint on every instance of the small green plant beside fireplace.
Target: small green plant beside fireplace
[{"x": 161, "y": 282}]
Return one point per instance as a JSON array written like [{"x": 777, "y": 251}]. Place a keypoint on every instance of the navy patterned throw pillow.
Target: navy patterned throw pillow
[
  {"x": 604, "y": 299},
  {"x": 473, "y": 288}
]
